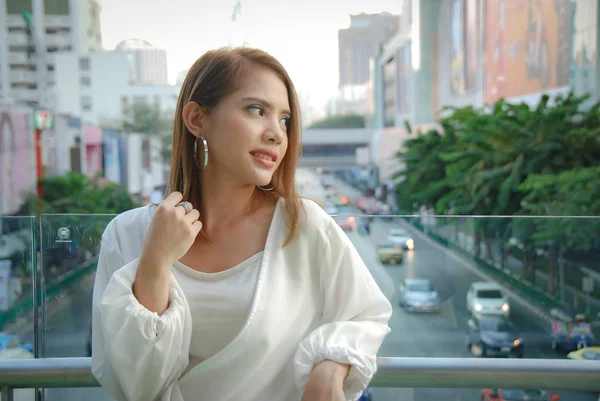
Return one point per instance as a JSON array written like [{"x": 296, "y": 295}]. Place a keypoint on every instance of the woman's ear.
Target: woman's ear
[{"x": 195, "y": 118}]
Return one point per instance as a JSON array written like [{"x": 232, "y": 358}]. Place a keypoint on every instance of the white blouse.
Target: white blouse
[
  {"x": 314, "y": 300},
  {"x": 219, "y": 302}
]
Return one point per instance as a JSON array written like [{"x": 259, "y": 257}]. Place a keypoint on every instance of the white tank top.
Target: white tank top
[{"x": 219, "y": 303}]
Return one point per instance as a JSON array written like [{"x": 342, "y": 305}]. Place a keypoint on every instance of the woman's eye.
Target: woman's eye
[
  {"x": 285, "y": 122},
  {"x": 259, "y": 111}
]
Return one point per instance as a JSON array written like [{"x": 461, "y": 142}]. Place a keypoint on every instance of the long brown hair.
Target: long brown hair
[{"x": 216, "y": 74}]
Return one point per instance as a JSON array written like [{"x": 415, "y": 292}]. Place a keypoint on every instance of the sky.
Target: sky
[{"x": 301, "y": 34}]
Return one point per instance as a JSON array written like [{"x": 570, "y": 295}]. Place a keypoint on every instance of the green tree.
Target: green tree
[
  {"x": 341, "y": 121},
  {"x": 146, "y": 119},
  {"x": 477, "y": 162},
  {"x": 75, "y": 193}
]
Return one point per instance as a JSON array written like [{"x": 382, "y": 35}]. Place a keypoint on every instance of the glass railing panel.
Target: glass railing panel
[
  {"x": 70, "y": 245},
  {"x": 539, "y": 298},
  {"x": 18, "y": 261}
]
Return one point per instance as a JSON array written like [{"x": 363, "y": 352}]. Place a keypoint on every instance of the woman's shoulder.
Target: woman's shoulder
[
  {"x": 315, "y": 215},
  {"x": 129, "y": 224}
]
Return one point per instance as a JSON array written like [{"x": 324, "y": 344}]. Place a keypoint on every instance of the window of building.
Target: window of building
[
  {"x": 17, "y": 29},
  {"x": 124, "y": 105},
  {"x": 56, "y": 7},
  {"x": 23, "y": 67},
  {"x": 86, "y": 103},
  {"x": 389, "y": 92},
  {"x": 23, "y": 85},
  {"x": 84, "y": 63},
  {"x": 21, "y": 48},
  {"x": 58, "y": 30},
  {"x": 18, "y": 6},
  {"x": 85, "y": 81}
]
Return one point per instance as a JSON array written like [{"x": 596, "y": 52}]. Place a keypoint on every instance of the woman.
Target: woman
[{"x": 234, "y": 288}]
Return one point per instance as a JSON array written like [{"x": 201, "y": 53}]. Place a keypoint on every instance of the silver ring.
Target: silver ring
[{"x": 186, "y": 205}]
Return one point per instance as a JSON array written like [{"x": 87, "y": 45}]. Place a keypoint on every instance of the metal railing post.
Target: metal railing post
[{"x": 7, "y": 393}]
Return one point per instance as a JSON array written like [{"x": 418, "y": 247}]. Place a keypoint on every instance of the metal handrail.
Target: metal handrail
[{"x": 557, "y": 374}]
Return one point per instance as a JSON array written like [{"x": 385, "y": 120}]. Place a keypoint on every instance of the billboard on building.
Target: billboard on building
[
  {"x": 471, "y": 33},
  {"x": 527, "y": 46},
  {"x": 585, "y": 48},
  {"x": 93, "y": 147},
  {"x": 111, "y": 165},
  {"x": 457, "y": 51},
  {"x": 17, "y": 157}
]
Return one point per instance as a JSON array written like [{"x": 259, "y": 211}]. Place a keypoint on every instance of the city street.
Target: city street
[{"x": 413, "y": 335}]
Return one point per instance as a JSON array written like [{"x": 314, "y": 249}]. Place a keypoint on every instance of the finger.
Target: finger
[
  {"x": 192, "y": 216},
  {"x": 180, "y": 211},
  {"x": 173, "y": 199},
  {"x": 197, "y": 226}
]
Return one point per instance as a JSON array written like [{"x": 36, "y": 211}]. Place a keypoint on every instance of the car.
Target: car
[
  {"x": 489, "y": 394},
  {"x": 389, "y": 252},
  {"x": 342, "y": 200},
  {"x": 494, "y": 336},
  {"x": 331, "y": 209},
  {"x": 419, "y": 295},
  {"x": 585, "y": 354},
  {"x": 346, "y": 223},
  {"x": 487, "y": 298},
  {"x": 401, "y": 237}
]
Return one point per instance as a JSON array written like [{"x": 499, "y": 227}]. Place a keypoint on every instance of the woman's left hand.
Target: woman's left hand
[{"x": 326, "y": 382}]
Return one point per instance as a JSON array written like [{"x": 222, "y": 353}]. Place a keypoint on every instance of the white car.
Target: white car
[
  {"x": 486, "y": 298},
  {"x": 419, "y": 295},
  {"x": 401, "y": 237}
]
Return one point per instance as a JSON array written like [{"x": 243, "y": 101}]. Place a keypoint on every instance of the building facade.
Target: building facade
[
  {"x": 147, "y": 64},
  {"x": 31, "y": 33},
  {"x": 98, "y": 87},
  {"x": 462, "y": 52},
  {"x": 361, "y": 41}
]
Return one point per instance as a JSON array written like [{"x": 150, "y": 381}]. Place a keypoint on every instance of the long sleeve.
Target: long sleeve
[
  {"x": 137, "y": 355},
  {"x": 355, "y": 317}
]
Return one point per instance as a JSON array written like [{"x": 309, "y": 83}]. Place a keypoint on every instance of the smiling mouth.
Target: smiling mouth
[{"x": 262, "y": 156}]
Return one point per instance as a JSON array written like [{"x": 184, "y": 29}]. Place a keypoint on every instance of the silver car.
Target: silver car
[{"x": 419, "y": 295}]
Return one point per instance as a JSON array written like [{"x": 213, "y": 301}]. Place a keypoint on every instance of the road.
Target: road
[{"x": 413, "y": 335}]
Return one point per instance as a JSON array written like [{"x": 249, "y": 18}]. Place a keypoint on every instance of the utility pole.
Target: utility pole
[{"x": 43, "y": 118}]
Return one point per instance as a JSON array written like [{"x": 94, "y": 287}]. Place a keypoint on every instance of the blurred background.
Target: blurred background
[{"x": 456, "y": 142}]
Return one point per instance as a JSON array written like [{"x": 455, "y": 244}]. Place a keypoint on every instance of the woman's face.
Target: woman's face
[{"x": 247, "y": 131}]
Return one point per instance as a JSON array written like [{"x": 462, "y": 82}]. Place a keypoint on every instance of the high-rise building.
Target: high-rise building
[
  {"x": 31, "y": 33},
  {"x": 360, "y": 42},
  {"x": 147, "y": 64}
]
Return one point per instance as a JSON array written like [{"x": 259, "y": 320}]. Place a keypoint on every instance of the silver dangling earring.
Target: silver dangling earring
[
  {"x": 265, "y": 188},
  {"x": 202, "y": 159}
]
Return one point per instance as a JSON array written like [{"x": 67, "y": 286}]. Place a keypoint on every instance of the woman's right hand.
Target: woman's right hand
[{"x": 171, "y": 233}]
